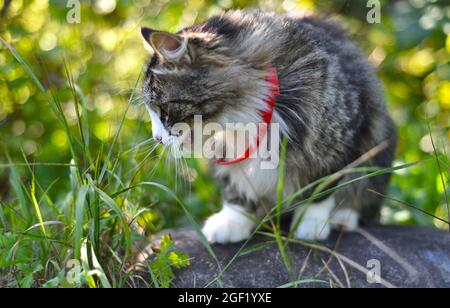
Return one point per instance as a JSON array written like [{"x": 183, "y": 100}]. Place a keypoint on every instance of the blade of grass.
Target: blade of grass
[
  {"x": 256, "y": 248},
  {"x": 98, "y": 270},
  {"x": 2, "y": 216},
  {"x": 17, "y": 187},
  {"x": 280, "y": 184},
  {"x": 79, "y": 220},
  {"x": 44, "y": 191},
  {"x": 25, "y": 66},
  {"x": 85, "y": 117},
  {"x": 76, "y": 103},
  {"x": 302, "y": 282},
  {"x": 43, "y": 238},
  {"x": 356, "y": 163},
  {"x": 46, "y": 197},
  {"x": 116, "y": 209},
  {"x": 14, "y": 216},
  {"x": 410, "y": 206},
  {"x": 85, "y": 120},
  {"x": 35, "y": 165},
  {"x": 280, "y": 190},
  {"x": 153, "y": 276},
  {"x": 441, "y": 173},
  {"x": 36, "y": 204},
  {"x": 45, "y": 223},
  {"x": 72, "y": 141}
]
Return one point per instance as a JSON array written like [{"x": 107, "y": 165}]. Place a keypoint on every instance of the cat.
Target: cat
[{"x": 330, "y": 108}]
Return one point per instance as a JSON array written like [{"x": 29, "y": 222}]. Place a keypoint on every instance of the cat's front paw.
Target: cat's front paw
[
  {"x": 231, "y": 225},
  {"x": 313, "y": 230},
  {"x": 313, "y": 222}
]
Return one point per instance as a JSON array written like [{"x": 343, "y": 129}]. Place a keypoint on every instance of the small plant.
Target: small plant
[{"x": 165, "y": 261}]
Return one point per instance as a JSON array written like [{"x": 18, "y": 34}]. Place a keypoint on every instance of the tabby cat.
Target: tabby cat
[{"x": 330, "y": 108}]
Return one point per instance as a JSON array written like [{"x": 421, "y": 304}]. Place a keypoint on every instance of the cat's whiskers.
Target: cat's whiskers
[
  {"x": 186, "y": 171},
  {"x": 147, "y": 156},
  {"x": 152, "y": 172},
  {"x": 176, "y": 152},
  {"x": 135, "y": 149},
  {"x": 173, "y": 154},
  {"x": 138, "y": 101}
]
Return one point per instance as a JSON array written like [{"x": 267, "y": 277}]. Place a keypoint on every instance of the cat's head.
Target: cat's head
[{"x": 195, "y": 74}]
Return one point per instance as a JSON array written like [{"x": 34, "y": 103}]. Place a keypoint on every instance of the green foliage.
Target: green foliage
[
  {"x": 165, "y": 261},
  {"x": 17, "y": 254},
  {"x": 79, "y": 178}
]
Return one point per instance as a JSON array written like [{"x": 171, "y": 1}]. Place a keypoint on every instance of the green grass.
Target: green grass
[
  {"x": 93, "y": 201},
  {"x": 98, "y": 220}
]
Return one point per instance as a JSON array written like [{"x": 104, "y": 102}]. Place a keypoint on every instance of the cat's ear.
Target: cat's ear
[
  {"x": 168, "y": 45},
  {"x": 146, "y": 33}
]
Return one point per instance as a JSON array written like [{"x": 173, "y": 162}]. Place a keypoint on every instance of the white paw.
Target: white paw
[
  {"x": 347, "y": 219},
  {"x": 314, "y": 221},
  {"x": 231, "y": 225},
  {"x": 313, "y": 230}
]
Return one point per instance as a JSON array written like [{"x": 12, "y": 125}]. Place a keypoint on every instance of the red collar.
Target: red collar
[{"x": 266, "y": 115}]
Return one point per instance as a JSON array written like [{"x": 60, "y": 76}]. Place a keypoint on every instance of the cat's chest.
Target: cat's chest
[{"x": 250, "y": 180}]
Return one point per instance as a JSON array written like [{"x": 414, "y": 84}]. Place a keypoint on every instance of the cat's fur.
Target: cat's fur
[{"x": 330, "y": 106}]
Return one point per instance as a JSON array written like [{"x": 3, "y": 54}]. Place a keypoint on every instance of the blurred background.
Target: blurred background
[{"x": 104, "y": 56}]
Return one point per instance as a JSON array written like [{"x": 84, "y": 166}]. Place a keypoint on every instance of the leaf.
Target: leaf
[
  {"x": 166, "y": 258},
  {"x": 36, "y": 204},
  {"x": 79, "y": 220},
  {"x": 179, "y": 260},
  {"x": 98, "y": 270},
  {"x": 116, "y": 209}
]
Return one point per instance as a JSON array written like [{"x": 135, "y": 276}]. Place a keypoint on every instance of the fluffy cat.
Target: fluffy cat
[{"x": 330, "y": 108}]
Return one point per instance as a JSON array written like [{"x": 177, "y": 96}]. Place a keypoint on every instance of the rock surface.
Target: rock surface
[{"x": 406, "y": 256}]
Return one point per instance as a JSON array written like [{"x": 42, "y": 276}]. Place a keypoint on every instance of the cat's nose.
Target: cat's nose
[{"x": 158, "y": 139}]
